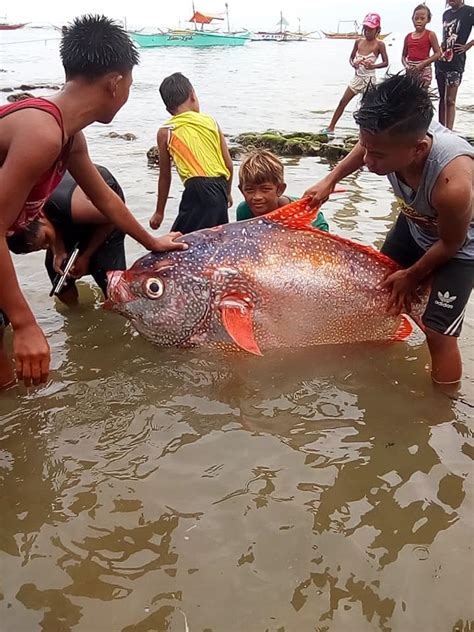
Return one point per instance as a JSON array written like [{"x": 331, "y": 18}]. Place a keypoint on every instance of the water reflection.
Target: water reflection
[
  {"x": 326, "y": 489},
  {"x": 289, "y": 477}
]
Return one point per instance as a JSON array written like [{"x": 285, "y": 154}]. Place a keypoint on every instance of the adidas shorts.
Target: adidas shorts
[{"x": 451, "y": 284}]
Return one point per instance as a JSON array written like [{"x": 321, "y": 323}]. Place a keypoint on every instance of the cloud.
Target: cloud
[{"x": 396, "y": 16}]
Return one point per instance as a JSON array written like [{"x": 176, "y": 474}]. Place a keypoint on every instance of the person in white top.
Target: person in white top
[{"x": 363, "y": 59}]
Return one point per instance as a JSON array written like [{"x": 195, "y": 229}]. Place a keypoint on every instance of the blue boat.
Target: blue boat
[
  {"x": 188, "y": 38},
  {"x": 192, "y": 37}
]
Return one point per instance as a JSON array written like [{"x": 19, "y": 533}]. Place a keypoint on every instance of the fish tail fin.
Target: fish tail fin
[{"x": 405, "y": 329}]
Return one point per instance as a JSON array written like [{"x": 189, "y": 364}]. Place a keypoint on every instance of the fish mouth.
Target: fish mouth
[{"x": 117, "y": 290}]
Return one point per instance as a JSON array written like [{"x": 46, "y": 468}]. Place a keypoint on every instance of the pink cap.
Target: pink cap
[{"x": 372, "y": 20}]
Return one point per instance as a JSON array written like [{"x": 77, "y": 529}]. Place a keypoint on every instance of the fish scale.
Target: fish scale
[{"x": 268, "y": 282}]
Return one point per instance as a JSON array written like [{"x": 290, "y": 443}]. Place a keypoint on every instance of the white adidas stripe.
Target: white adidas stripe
[{"x": 455, "y": 324}]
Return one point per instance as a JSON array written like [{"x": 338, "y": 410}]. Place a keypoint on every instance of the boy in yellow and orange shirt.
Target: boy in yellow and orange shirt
[{"x": 197, "y": 147}]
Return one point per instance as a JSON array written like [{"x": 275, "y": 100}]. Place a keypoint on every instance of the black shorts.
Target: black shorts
[
  {"x": 447, "y": 78},
  {"x": 203, "y": 205},
  {"x": 451, "y": 283},
  {"x": 109, "y": 256}
]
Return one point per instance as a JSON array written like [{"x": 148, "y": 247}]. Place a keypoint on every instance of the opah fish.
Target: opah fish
[{"x": 269, "y": 282}]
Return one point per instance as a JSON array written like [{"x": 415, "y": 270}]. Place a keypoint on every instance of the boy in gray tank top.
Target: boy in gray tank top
[{"x": 431, "y": 170}]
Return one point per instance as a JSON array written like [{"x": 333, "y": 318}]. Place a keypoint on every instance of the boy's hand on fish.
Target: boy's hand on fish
[
  {"x": 167, "y": 242},
  {"x": 320, "y": 191},
  {"x": 156, "y": 220},
  {"x": 402, "y": 286}
]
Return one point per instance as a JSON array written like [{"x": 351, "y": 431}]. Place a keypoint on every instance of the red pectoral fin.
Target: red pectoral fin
[{"x": 237, "y": 318}]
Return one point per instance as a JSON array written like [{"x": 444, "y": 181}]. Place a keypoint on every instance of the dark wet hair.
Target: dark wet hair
[
  {"x": 23, "y": 241},
  {"x": 423, "y": 7},
  {"x": 399, "y": 105},
  {"x": 94, "y": 45},
  {"x": 175, "y": 90}
]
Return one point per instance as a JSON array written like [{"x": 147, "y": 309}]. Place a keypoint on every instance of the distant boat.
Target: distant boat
[
  {"x": 349, "y": 35},
  {"x": 282, "y": 35},
  {"x": 187, "y": 38},
  {"x": 4, "y": 26},
  {"x": 193, "y": 37}
]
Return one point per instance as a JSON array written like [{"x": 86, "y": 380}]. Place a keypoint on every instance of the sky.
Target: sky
[{"x": 251, "y": 14}]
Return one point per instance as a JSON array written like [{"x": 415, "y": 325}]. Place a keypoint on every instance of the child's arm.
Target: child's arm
[
  {"x": 463, "y": 48},
  {"x": 320, "y": 191},
  {"x": 164, "y": 179},
  {"x": 84, "y": 212},
  {"x": 405, "y": 52},
  {"x": 229, "y": 164},
  {"x": 58, "y": 249},
  {"x": 383, "y": 53},
  {"x": 436, "y": 52},
  {"x": 109, "y": 203},
  {"x": 355, "y": 48}
]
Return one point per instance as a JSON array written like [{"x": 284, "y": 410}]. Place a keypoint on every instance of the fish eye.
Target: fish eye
[{"x": 154, "y": 288}]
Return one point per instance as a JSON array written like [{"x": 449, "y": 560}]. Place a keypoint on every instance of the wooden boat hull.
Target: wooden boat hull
[
  {"x": 287, "y": 36},
  {"x": 11, "y": 27},
  {"x": 350, "y": 36}
]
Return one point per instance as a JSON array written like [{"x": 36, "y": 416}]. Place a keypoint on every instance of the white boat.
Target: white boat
[{"x": 281, "y": 35}]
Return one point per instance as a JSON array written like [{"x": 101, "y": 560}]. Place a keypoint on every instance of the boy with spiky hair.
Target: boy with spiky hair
[
  {"x": 39, "y": 139},
  {"x": 431, "y": 170}
]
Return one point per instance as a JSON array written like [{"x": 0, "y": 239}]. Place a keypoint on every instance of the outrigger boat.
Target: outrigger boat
[
  {"x": 192, "y": 37},
  {"x": 282, "y": 35},
  {"x": 349, "y": 35},
  {"x": 5, "y": 26}
]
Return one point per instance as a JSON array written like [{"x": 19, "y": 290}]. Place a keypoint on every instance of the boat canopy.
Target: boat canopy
[{"x": 201, "y": 18}]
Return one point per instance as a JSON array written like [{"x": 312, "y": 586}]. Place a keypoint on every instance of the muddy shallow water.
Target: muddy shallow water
[{"x": 327, "y": 489}]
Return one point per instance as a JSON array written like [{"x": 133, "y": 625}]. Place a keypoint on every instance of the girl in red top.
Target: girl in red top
[{"x": 419, "y": 44}]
